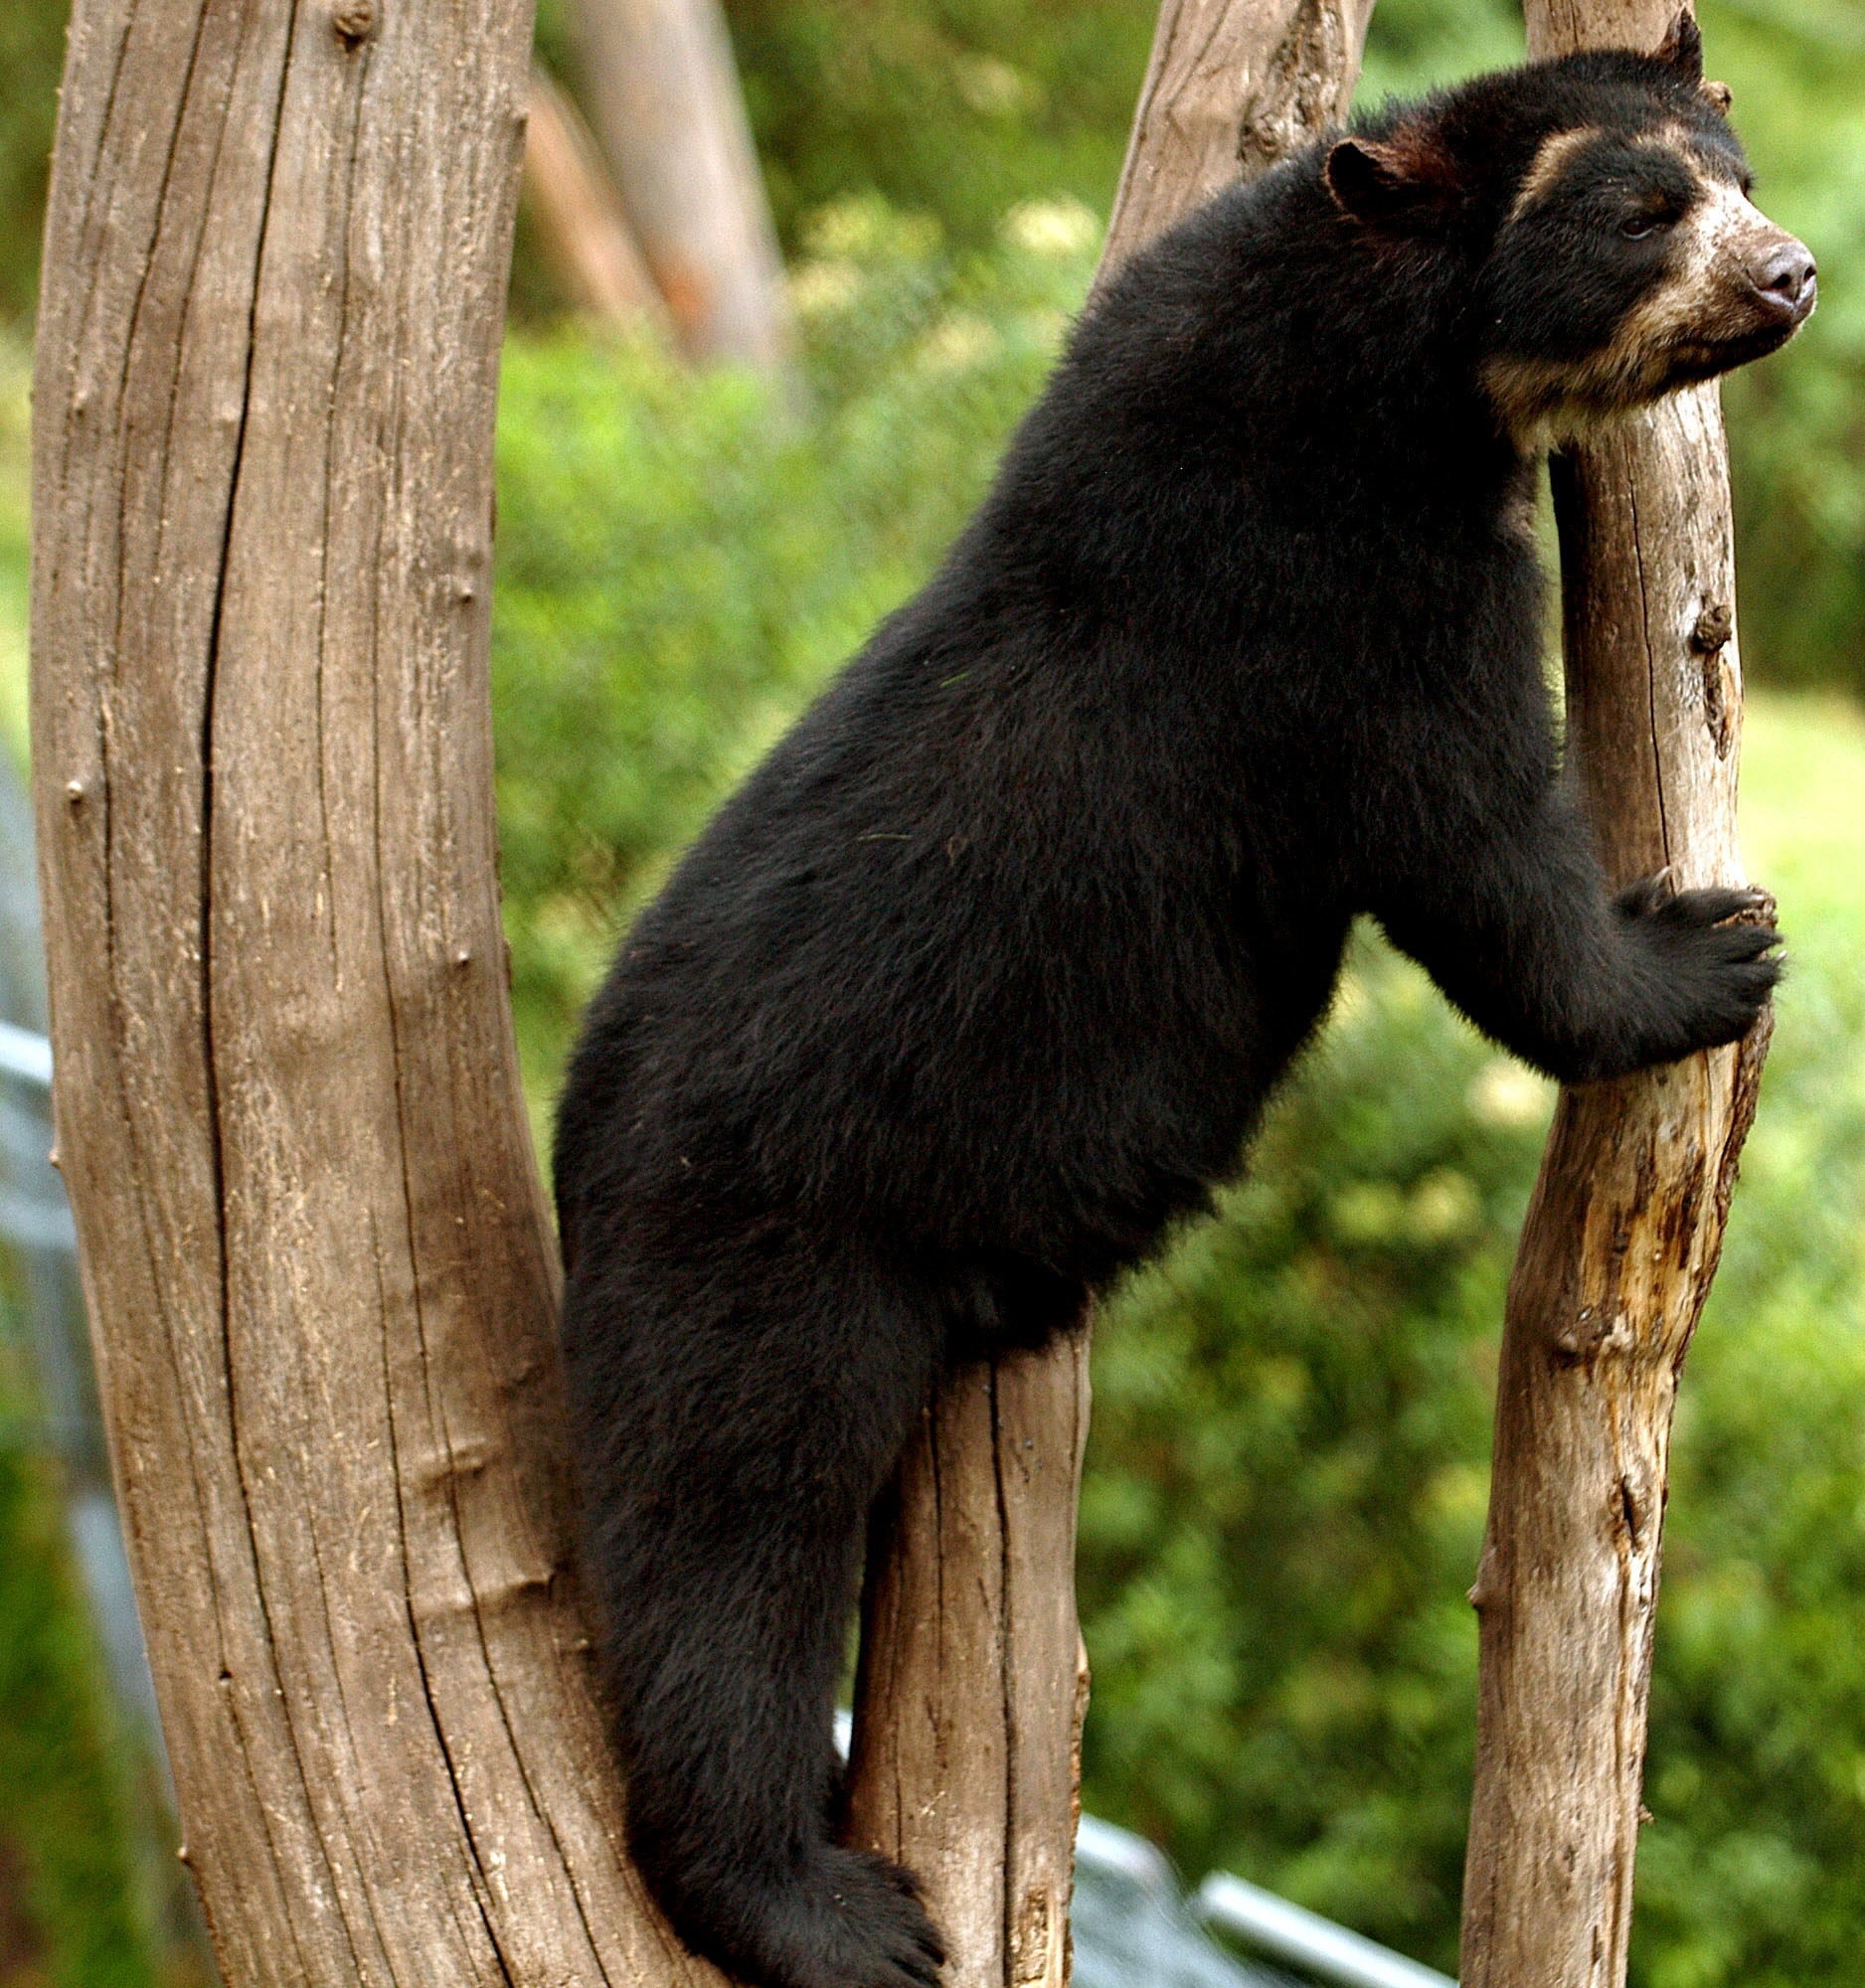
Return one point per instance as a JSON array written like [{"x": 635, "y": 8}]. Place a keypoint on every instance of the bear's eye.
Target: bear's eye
[{"x": 1637, "y": 227}]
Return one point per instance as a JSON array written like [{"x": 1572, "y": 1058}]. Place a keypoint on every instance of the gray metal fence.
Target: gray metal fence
[{"x": 64, "y": 1416}]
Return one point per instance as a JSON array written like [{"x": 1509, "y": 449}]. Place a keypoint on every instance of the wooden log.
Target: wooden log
[
  {"x": 663, "y": 96},
  {"x": 580, "y": 219},
  {"x": 1626, "y": 1227},
  {"x": 972, "y": 1682},
  {"x": 319, "y": 1272}
]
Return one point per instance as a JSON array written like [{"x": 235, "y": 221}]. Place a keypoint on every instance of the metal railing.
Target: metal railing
[
  {"x": 1290, "y": 1933},
  {"x": 63, "y": 1418}
]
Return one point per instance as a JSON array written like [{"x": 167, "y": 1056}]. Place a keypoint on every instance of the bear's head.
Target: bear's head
[{"x": 1597, "y": 209}]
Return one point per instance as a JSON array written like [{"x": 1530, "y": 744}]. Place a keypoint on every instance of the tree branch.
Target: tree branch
[{"x": 663, "y": 96}]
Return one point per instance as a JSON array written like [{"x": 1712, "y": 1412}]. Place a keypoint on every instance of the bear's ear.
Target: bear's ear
[
  {"x": 1388, "y": 182},
  {"x": 1718, "y": 96},
  {"x": 1682, "y": 46}
]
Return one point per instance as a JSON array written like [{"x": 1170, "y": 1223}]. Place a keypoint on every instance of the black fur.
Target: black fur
[{"x": 982, "y": 979}]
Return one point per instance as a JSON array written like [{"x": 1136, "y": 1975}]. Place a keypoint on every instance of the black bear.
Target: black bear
[{"x": 980, "y": 981}]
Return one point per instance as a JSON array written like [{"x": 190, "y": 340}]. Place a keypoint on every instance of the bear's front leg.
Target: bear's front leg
[{"x": 1514, "y": 920}]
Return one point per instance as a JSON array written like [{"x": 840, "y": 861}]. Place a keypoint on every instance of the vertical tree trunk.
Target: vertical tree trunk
[
  {"x": 971, "y": 1688},
  {"x": 319, "y": 1275},
  {"x": 578, "y": 214},
  {"x": 1627, "y": 1223},
  {"x": 663, "y": 95},
  {"x": 972, "y": 1682}
]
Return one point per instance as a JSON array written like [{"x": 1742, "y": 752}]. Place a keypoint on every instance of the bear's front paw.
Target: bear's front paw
[{"x": 1708, "y": 963}]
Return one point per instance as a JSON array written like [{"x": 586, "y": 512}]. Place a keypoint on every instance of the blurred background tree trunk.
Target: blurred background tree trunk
[
  {"x": 581, "y": 220},
  {"x": 664, "y": 102}
]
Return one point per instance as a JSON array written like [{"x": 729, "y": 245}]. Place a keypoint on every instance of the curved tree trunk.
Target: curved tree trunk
[
  {"x": 318, "y": 1268},
  {"x": 972, "y": 1682},
  {"x": 1627, "y": 1223}
]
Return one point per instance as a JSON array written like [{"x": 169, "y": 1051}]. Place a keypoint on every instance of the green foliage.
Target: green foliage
[
  {"x": 15, "y": 542},
  {"x": 62, "y": 1833},
  {"x": 32, "y": 48},
  {"x": 953, "y": 107},
  {"x": 1797, "y": 421},
  {"x": 1416, "y": 45}
]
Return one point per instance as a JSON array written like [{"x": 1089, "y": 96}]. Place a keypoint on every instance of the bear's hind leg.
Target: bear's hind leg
[{"x": 737, "y": 1414}]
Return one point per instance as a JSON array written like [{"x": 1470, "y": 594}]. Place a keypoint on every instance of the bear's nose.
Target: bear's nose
[{"x": 1787, "y": 277}]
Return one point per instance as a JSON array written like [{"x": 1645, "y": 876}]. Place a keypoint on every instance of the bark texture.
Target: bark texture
[
  {"x": 973, "y": 1683},
  {"x": 1232, "y": 88},
  {"x": 1625, "y": 1226},
  {"x": 663, "y": 96},
  {"x": 319, "y": 1272},
  {"x": 578, "y": 216}
]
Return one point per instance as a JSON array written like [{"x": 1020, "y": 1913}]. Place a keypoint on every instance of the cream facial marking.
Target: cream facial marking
[
  {"x": 1704, "y": 302},
  {"x": 1705, "y": 287},
  {"x": 1550, "y": 162}
]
